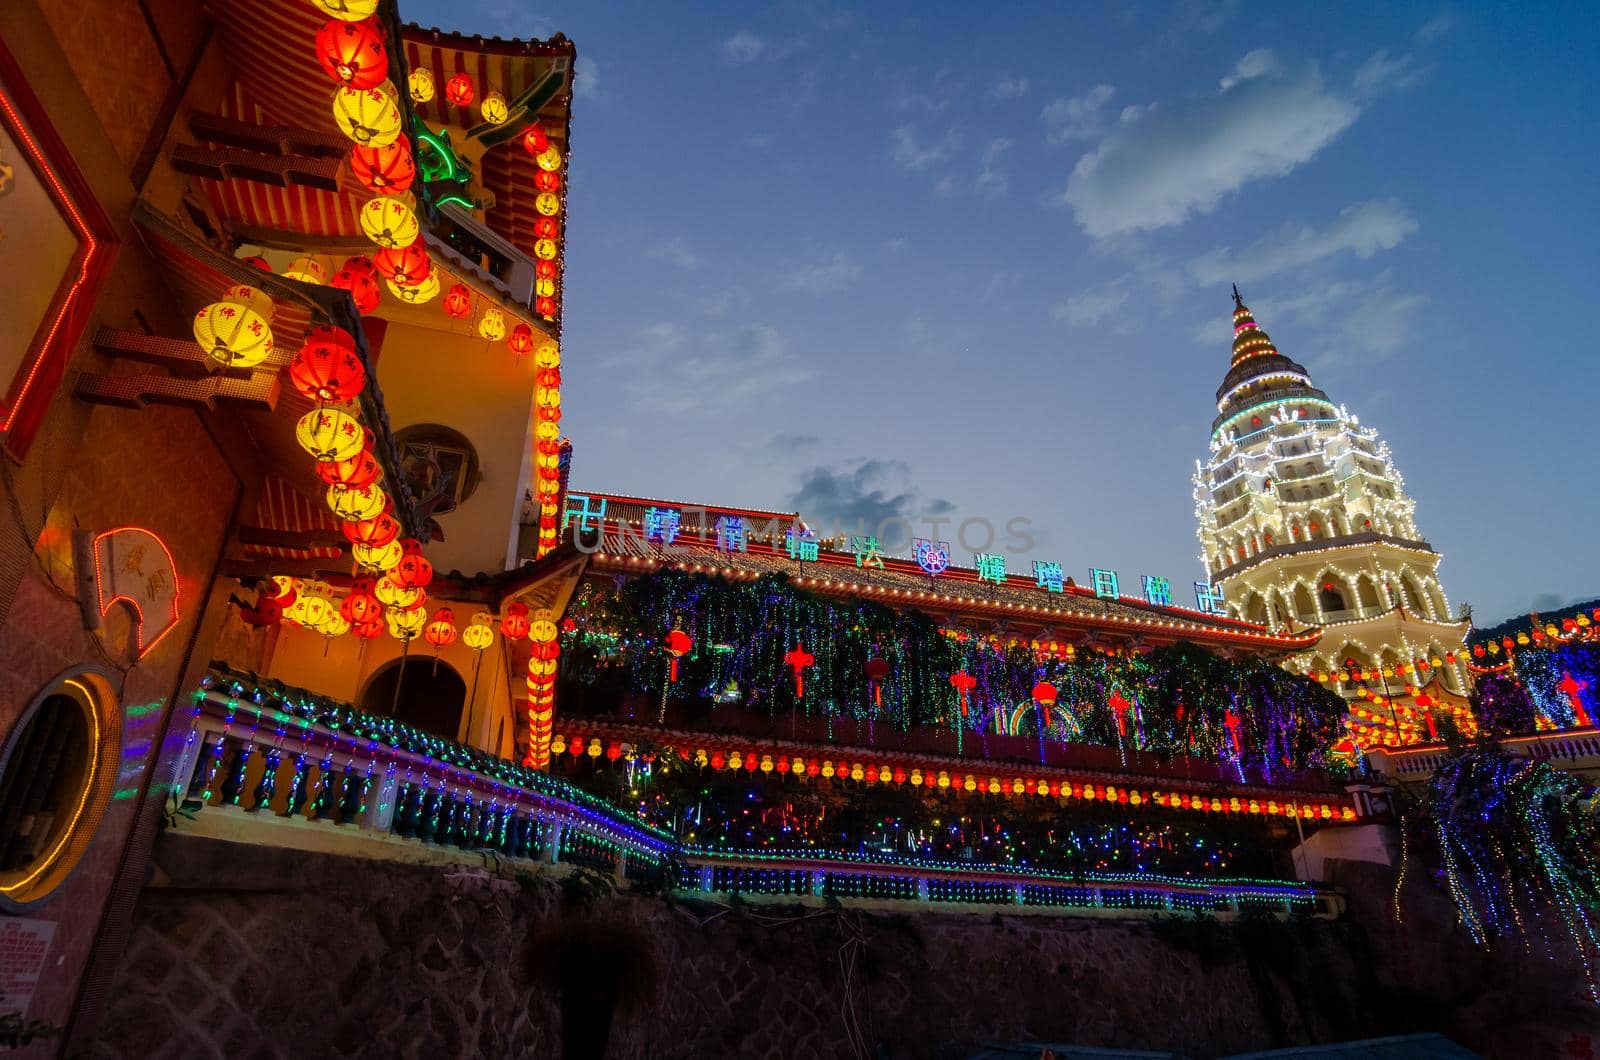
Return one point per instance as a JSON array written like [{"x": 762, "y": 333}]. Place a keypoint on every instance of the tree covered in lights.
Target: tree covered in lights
[{"x": 891, "y": 668}]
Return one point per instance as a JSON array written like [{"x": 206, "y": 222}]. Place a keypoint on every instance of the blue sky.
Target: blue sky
[{"x": 908, "y": 258}]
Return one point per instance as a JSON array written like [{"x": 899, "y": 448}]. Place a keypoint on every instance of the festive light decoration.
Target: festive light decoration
[
  {"x": 458, "y": 90},
  {"x": 420, "y": 85},
  {"x": 376, "y": 533},
  {"x": 418, "y": 294},
  {"x": 479, "y": 633},
  {"x": 377, "y": 558},
  {"x": 492, "y": 325},
  {"x": 359, "y": 276},
  {"x": 252, "y": 298},
  {"x": 514, "y": 626},
  {"x": 327, "y": 368},
  {"x": 348, "y": 10},
  {"x": 352, "y": 53},
  {"x": 458, "y": 301},
  {"x": 535, "y": 140},
  {"x": 405, "y": 624},
  {"x": 232, "y": 335},
  {"x": 356, "y": 504},
  {"x": 389, "y": 222},
  {"x": 328, "y": 434},
  {"x": 413, "y": 571},
  {"x": 389, "y": 170},
  {"x": 441, "y": 629},
  {"x": 520, "y": 340},
  {"x": 494, "y": 109},
  {"x": 368, "y": 116},
  {"x": 963, "y": 683},
  {"x": 678, "y": 645},
  {"x": 406, "y": 266}
]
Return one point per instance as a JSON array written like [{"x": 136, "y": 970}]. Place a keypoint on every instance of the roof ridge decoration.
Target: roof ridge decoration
[{"x": 1249, "y": 339}]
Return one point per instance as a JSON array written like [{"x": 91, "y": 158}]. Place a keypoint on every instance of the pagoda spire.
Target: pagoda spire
[{"x": 1248, "y": 338}]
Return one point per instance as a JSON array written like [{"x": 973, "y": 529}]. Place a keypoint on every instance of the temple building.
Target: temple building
[{"x": 1304, "y": 522}]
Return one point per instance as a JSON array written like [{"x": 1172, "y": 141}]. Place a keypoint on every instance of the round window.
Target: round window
[{"x": 56, "y": 774}]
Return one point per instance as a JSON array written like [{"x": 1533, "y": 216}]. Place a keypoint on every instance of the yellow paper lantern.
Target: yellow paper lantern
[
  {"x": 306, "y": 269},
  {"x": 369, "y": 116},
  {"x": 252, "y": 298},
  {"x": 334, "y": 625},
  {"x": 493, "y": 325},
  {"x": 420, "y": 85},
  {"x": 418, "y": 294},
  {"x": 377, "y": 557},
  {"x": 494, "y": 109},
  {"x": 544, "y": 249},
  {"x": 547, "y": 355},
  {"x": 405, "y": 623},
  {"x": 389, "y": 222},
  {"x": 356, "y": 505},
  {"x": 308, "y": 611},
  {"x": 233, "y": 335},
  {"x": 549, "y": 159},
  {"x": 328, "y": 434},
  {"x": 478, "y": 637},
  {"x": 547, "y": 203},
  {"x": 395, "y": 596},
  {"x": 348, "y": 10}
]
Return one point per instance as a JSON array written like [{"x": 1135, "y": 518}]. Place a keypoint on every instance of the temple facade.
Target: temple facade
[{"x": 1304, "y": 522}]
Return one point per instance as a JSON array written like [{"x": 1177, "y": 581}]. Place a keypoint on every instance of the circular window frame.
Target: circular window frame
[
  {"x": 451, "y": 441},
  {"x": 89, "y": 687}
]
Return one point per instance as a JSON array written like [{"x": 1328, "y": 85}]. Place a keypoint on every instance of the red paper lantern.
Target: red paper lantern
[
  {"x": 327, "y": 367},
  {"x": 441, "y": 632},
  {"x": 377, "y": 531},
  {"x": 678, "y": 645},
  {"x": 361, "y": 606},
  {"x": 550, "y": 228},
  {"x": 413, "y": 571},
  {"x": 458, "y": 301},
  {"x": 963, "y": 683},
  {"x": 1044, "y": 693},
  {"x": 544, "y": 269},
  {"x": 357, "y": 276},
  {"x": 258, "y": 262},
  {"x": 458, "y": 90},
  {"x": 356, "y": 473},
  {"x": 515, "y": 624},
  {"x": 536, "y": 140},
  {"x": 877, "y": 671},
  {"x": 387, "y": 170},
  {"x": 521, "y": 340},
  {"x": 545, "y": 180},
  {"x": 797, "y": 660},
  {"x": 353, "y": 53},
  {"x": 545, "y": 306},
  {"x": 407, "y": 266}
]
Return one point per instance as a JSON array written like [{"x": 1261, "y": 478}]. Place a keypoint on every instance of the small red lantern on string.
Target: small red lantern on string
[
  {"x": 353, "y": 53},
  {"x": 458, "y": 301},
  {"x": 387, "y": 170},
  {"x": 361, "y": 606},
  {"x": 678, "y": 645},
  {"x": 1044, "y": 694},
  {"x": 441, "y": 632},
  {"x": 963, "y": 683},
  {"x": 545, "y": 180},
  {"x": 407, "y": 266},
  {"x": 376, "y": 532},
  {"x": 797, "y": 660},
  {"x": 545, "y": 307},
  {"x": 877, "y": 671},
  {"x": 357, "y": 277},
  {"x": 515, "y": 624},
  {"x": 327, "y": 367},
  {"x": 521, "y": 340},
  {"x": 535, "y": 140},
  {"x": 413, "y": 571},
  {"x": 356, "y": 473},
  {"x": 546, "y": 227},
  {"x": 458, "y": 90}
]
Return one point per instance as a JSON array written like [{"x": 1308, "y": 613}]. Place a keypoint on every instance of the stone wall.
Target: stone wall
[{"x": 245, "y": 952}]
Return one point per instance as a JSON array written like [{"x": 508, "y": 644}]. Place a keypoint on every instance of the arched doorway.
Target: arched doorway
[{"x": 430, "y": 698}]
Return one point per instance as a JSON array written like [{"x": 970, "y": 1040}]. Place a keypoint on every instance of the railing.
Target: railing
[
  {"x": 960, "y": 884},
  {"x": 1572, "y": 748},
  {"x": 283, "y": 754}
]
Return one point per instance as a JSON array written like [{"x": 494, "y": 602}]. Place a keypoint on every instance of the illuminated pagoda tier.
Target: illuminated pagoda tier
[{"x": 1304, "y": 523}]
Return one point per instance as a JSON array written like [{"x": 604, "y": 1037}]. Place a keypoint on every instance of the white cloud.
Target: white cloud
[
  {"x": 826, "y": 277},
  {"x": 743, "y": 47},
  {"x": 992, "y": 181},
  {"x": 1363, "y": 230},
  {"x": 1348, "y": 325},
  {"x": 1167, "y": 162},
  {"x": 1092, "y": 304},
  {"x": 676, "y": 252},
  {"x": 909, "y": 152},
  {"x": 1382, "y": 73},
  {"x": 586, "y": 78},
  {"x": 1435, "y": 27},
  {"x": 1009, "y": 88},
  {"x": 1077, "y": 118},
  {"x": 723, "y": 369}
]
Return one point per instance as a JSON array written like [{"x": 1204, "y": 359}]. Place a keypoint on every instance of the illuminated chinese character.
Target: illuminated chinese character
[
  {"x": 991, "y": 567},
  {"x": 1105, "y": 583},
  {"x": 134, "y": 561},
  {"x": 731, "y": 534},
  {"x": 155, "y": 585},
  {"x": 868, "y": 552},
  {"x": 588, "y": 511},
  {"x": 1208, "y": 598},
  {"x": 1048, "y": 576},
  {"x": 800, "y": 547},
  {"x": 1157, "y": 591},
  {"x": 932, "y": 556},
  {"x": 661, "y": 524}
]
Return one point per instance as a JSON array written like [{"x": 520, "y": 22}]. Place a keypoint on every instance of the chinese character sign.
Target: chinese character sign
[
  {"x": 1157, "y": 591},
  {"x": 933, "y": 556},
  {"x": 868, "y": 552},
  {"x": 800, "y": 547},
  {"x": 991, "y": 567},
  {"x": 587, "y": 510},
  {"x": 1048, "y": 576},
  {"x": 1105, "y": 583},
  {"x": 1208, "y": 599},
  {"x": 661, "y": 524},
  {"x": 135, "y": 567},
  {"x": 731, "y": 534}
]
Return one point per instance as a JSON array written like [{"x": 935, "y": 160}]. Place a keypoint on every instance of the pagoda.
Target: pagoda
[{"x": 1304, "y": 522}]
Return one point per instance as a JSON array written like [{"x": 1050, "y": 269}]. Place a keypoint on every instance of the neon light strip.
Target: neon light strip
[{"x": 105, "y": 605}]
